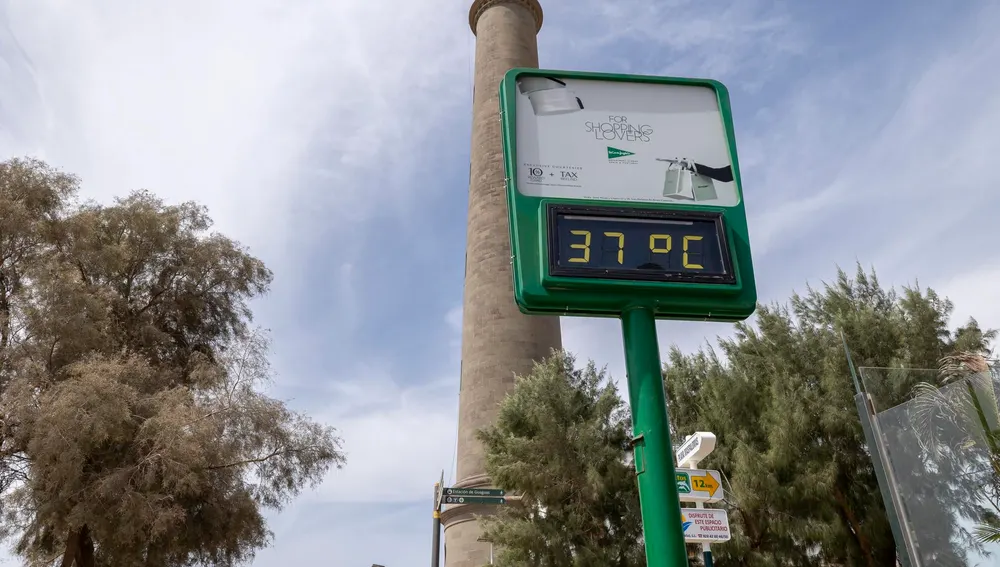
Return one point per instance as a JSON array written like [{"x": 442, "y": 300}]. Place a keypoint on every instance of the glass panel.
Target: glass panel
[{"x": 943, "y": 459}]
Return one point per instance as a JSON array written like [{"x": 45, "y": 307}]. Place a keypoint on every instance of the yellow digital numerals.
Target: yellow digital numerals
[
  {"x": 686, "y": 263},
  {"x": 621, "y": 245},
  {"x": 658, "y": 244},
  {"x": 585, "y": 246}
]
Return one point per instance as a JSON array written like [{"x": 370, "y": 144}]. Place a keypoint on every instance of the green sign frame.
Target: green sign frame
[{"x": 539, "y": 291}]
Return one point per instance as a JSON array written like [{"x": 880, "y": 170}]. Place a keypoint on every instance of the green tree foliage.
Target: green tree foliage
[
  {"x": 561, "y": 441},
  {"x": 802, "y": 489},
  {"x": 133, "y": 430}
]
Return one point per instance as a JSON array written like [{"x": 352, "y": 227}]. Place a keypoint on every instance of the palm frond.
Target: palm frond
[
  {"x": 929, "y": 405},
  {"x": 960, "y": 364},
  {"x": 986, "y": 533}
]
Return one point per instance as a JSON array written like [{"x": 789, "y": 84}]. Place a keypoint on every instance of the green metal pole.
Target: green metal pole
[{"x": 654, "y": 458}]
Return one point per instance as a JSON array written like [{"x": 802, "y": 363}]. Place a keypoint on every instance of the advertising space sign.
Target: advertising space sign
[
  {"x": 705, "y": 525},
  {"x": 622, "y": 141}
]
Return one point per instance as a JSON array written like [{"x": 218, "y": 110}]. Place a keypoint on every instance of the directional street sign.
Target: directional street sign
[
  {"x": 474, "y": 496},
  {"x": 492, "y": 492},
  {"x": 696, "y": 485},
  {"x": 705, "y": 525},
  {"x": 474, "y": 500},
  {"x": 695, "y": 449}
]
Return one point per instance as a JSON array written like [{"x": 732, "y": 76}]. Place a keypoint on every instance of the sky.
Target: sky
[{"x": 333, "y": 140}]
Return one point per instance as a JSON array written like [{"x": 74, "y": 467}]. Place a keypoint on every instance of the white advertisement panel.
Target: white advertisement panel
[
  {"x": 705, "y": 525},
  {"x": 607, "y": 140}
]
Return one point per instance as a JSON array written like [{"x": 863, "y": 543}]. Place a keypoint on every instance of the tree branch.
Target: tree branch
[{"x": 254, "y": 460}]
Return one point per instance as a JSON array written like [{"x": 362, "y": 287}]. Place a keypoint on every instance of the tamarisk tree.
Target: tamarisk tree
[{"x": 133, "y": 430}]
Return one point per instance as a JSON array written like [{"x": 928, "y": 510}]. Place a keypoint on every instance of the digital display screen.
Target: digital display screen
[{"x": 640, "y": 245}]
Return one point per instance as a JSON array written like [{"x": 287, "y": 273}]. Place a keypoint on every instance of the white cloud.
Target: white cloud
[
  {"x": 228, "y": 102},
  {"x": 976, "y": 294},
  {"x": 749, "y": 39},
  {"x": 398, "y": 439},
  {"x": 896, "y": 168}
]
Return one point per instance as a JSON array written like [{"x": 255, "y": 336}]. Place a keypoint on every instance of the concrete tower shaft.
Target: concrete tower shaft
[{"x": 498, "y": 341}]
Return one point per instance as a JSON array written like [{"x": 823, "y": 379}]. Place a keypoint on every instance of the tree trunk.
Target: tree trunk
[
  {"x": 72, "y": 549},
  {"x": 79, "y": 549},
  {"x": 86, "y": 556},
  {"x": 848, "y": 516}
]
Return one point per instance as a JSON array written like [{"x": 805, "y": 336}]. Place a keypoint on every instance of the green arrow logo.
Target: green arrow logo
[{"x": 616, "y": 153}]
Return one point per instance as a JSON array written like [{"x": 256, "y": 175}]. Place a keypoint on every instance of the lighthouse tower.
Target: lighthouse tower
[{"x": 498, "y": 341}]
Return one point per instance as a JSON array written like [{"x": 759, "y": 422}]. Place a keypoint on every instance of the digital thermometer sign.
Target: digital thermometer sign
[
  {"x": 624, "y": 191},
  {"x": 624, "y": 244}
]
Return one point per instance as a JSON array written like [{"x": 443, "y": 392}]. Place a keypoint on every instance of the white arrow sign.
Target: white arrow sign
[
  {"x": 695, "y": 449},
  {"x": 705, "y": 525}
]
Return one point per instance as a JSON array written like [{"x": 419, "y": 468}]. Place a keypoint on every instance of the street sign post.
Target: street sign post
[
  {"x": 625, "y": 200},
  {"x": 439, "y": 492},
  {"x": 436, "y": 537},
  {"x": 695, "y": 485},
  {"x": 695, "y": 448}
]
